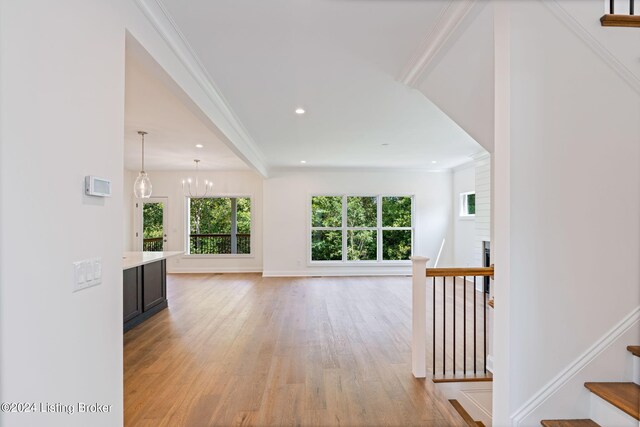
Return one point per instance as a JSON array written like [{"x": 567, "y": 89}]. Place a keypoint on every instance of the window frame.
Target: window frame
[
  {"x": 345, "y": 229},
  {"x": 187, "y": 227},
  {"x": 464, "y": 204}
]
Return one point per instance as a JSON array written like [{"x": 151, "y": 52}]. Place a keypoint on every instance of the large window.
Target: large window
[
  {"x": 219, "y": 226},
  {"x": 361, "y": 228}
]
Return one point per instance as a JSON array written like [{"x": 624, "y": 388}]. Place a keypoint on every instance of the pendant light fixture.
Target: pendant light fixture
[
  {"x": 191, "y": 186},
  {"x": 142, "y": 186}
]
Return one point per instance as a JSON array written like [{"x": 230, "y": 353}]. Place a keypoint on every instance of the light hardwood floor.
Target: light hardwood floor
[{"x": 239, "y": 349}]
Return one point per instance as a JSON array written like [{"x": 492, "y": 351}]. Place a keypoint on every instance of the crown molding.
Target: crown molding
[
  {"x": 598, "y": 48},
  {"x": 467, "y": 165},
  {"x": 481, "y": 155},
  {"x": 227, "y": 121},
  {"x": 446, "y": 25},
  {"x": 288, "y": 170}
]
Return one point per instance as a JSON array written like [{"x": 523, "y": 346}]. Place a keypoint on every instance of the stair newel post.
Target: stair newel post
[{"x": 419, "y": 317}]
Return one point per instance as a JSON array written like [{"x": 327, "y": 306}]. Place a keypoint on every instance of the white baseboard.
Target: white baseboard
[
  {"x": 333, "y": 273},
  {"x": 589, "y": 366},
  {"x": 211, "y": 270}
]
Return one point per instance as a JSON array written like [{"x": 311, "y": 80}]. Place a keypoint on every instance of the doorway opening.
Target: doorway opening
[{"x": 153, "y": 236}]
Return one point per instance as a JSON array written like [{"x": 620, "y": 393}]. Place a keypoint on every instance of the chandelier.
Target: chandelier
[
  {"x": 191, "y": 186},
  {"x": 142, "y": 186}
]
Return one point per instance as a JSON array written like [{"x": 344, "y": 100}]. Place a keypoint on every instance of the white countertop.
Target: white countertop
[{"x": 135, "y": 259}]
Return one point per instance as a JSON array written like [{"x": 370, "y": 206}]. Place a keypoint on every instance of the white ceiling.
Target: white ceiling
[
  {"x": 338, "y": 59},
  {"x": 152, "y": 104}
]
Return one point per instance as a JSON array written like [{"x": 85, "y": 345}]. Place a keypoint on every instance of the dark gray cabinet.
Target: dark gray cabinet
[
  {"x": 132, "y": 293},
  {"x": 144, "y": 292},
  {"x": 153, "y": 284}
]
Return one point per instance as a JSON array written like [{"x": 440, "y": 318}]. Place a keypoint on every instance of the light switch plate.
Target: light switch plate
[
  {"x": 87, "y": 273},
  {"x": 97, "y": 269}
]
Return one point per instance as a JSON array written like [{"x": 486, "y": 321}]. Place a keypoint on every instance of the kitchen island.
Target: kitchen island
[{"x": 144, "y": 282}]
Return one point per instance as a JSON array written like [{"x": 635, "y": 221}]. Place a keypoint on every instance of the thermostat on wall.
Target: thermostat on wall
[{"x": 99, "y": 187}]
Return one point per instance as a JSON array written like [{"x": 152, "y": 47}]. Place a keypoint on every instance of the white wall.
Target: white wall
[
  {"x": 469, "y": 233},
  {"x": 286, "y": 216},
  {"x": 62, "y": 102},
  {"x": 226, "y": 183},
  {"x": 464, "y": 229},
  {"x": 62, "y": 116},
  {"x": 128, "y": 212},
  {"x": 615, "y": 39},
  {"x": 483, "y": 205},
  {"x": 572, "y": 153},
  {"x": 460, "y": 79}
]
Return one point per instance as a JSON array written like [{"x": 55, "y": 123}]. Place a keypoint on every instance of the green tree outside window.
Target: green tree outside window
[{"x": 362, "y": 228}]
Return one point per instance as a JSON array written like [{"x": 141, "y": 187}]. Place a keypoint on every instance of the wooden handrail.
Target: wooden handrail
[
  {"x": 624, "y": 19},
  {"x": 460, "y": 271},
  {"x": 620, "y": 21}
]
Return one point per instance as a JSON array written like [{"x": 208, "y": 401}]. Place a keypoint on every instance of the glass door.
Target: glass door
[{"x": 154, "y": 225}]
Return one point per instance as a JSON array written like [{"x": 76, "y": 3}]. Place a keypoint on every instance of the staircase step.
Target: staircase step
[
  {"x": 624, "y": 396},
  {"x": 569, "y": 423},
  {"x": 465, "y": 415},
  {"x": 634, "y": 349}
]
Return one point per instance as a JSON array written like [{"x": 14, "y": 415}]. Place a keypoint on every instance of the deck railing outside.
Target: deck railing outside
[
  {"x": 219, "y": 244},
  {"x": 152, "y": 244}
]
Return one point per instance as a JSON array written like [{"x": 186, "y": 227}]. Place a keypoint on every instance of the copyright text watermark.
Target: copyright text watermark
[{"x": 57, "y": 407}]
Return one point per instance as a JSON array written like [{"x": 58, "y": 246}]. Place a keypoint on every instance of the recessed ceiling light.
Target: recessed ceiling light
[
  {"x": 300, "y": 110},
  {"x": 303, "y": 161},
  {"x": 434, "y": 162},
  {"x": 199, "y": 145}
]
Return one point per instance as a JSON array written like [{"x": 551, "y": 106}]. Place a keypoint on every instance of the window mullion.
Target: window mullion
[
  {"x": 234, "y": 225},
  {"x": 344, "y": 228},
  {"x": 188, "y": 225},
  {"x": 379, "y": 231}
]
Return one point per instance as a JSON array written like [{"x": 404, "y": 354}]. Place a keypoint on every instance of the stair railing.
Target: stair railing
[
  {"x": 620, "y": 18},
  {"x": 450, "y": 312}
]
